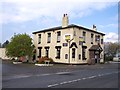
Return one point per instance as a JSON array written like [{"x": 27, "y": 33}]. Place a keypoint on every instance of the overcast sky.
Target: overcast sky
[{"x": 27, "y": 16}]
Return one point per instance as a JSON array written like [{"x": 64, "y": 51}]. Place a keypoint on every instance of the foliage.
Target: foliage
[
  {"x": 0, "y": 45},
  {"x": 42, "y": 60},
  {"x": 20, "y": 45},
  {"x": 110, "y": 50}
]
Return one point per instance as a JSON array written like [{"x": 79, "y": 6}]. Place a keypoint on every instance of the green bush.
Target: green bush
[{"x": 108, "y": 58}]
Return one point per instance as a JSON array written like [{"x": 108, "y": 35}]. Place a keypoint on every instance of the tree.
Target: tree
[
  {"x": 0, "y": 45},
  {"x": 111, "y": 49},
  {"x": 19, "y": 46}
]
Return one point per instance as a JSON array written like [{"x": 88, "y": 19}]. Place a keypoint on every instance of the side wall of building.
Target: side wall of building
[
  {"x": 79, "y": 33},
  {"x": 3, "y": 54}
]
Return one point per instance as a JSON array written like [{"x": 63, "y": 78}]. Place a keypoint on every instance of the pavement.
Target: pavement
[{"x": 60, "y": 76}]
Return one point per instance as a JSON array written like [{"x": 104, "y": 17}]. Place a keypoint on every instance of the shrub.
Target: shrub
[
  {"x": 42, "y": 60},
  {"x": 102, "y": 62},
  {"x": 108, "y": 58}
]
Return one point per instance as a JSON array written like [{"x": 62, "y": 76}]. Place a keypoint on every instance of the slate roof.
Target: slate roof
[
  {"x": 69, "y": 26},
  {"x": 95, "y": 48}
]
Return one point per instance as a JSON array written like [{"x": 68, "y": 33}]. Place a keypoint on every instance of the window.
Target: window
[
  {"x": 73, "y": 52},
  {"x": 47, "y": 51},
  {"x": 101, "y": 41},
  {"x": 58, "y": 48},
  {"x": 66, "y": 56},
  {"x": 84, "y": 37},
  {"x": 58, "y": 53},
  {"x": 92, "y": 35},
  {"x": 79, "y": 56},
  {"x": 97, "y": 38},
  {"x": 58, "y": 36},
  {"x": 49, "y": 37},
  {"x": 39, "y": 38},
  {"x": 39, "y": 48},
  {"x": 83, "y": 53},
  {"x": 74, "y": 33}
]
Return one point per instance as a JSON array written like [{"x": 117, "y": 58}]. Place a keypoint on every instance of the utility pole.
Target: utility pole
[{"x": 69, "y": 49}]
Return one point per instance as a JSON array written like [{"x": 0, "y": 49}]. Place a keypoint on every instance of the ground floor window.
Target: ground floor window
[
  {"x": 66, "y": 56},
  {"x": 83, "y": 53},
  {"x": 39, "y": 51},
  {"x": 73, "y": 52},
  {"x": 47, "y": 51},
  {"x": 58, "y": 51},
  {"x": 79, "y": 56}
]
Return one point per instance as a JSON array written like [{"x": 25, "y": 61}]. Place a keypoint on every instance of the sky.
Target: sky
[{"x": 27, "y": 16}]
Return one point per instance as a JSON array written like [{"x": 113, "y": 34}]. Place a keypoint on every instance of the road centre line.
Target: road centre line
[
  {"x": 90, "y": 77},
  {"x": 53, "y": 85}
]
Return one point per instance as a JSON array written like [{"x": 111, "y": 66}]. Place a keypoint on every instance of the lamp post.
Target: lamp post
[
  {"x": 81, "y": 43},
  {"x": 67, "y": 38}
]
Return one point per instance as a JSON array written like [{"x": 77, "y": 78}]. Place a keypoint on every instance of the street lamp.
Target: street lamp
[{"x": 68, "y": 39}]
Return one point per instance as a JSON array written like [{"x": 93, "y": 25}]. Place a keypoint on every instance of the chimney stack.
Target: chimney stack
[
  {"x": 65, "y": 20},
  {"x": 94, "y": 28}
]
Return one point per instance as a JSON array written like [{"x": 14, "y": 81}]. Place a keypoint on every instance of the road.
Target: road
[{"x": 60, "y": 76}]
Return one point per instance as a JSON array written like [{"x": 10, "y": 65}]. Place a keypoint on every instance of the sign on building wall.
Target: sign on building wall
[
  {"x": 67, "y": 37},
  {"x": 81, "y": 39}
]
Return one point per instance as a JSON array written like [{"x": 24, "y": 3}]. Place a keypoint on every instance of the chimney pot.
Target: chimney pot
[{"x": 94, "y": 27}]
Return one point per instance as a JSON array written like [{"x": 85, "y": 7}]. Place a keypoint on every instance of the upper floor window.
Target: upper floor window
[
  {"x": 58, "y": 36},
  {"x": 49, "y": 38},
  {"x": 101, "y": 41},
  {"x": 92, "y": 35},
  {"x": 39, "y": 38},
  {"x": 74, "y": 33},
  {"x": 97, "y": 38},
  {"x": 84, "y": 37}
]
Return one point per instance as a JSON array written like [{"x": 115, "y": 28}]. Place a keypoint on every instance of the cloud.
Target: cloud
[
  {"x": 111, "y": 37},
  {"x": 21, "y": 11}
]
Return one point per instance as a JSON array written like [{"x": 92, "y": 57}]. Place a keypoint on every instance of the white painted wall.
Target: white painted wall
[{"x": 2, "y": 53}]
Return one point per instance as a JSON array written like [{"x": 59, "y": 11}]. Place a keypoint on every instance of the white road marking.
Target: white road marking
[
  {"x": 53, "y": 85},
  {"x": 63, "y": 82},
  {"x": 92, "y": 77},
  {"x": 84, "y": 78},
  {"x": 66, "y": 82},
  {"x": 62, "y": 72},
  {"x": 75, "y": 80},
  {"x": 78, "y": 79}
]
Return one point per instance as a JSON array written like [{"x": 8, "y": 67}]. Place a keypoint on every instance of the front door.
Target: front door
[{"x": 97, "y": 58}]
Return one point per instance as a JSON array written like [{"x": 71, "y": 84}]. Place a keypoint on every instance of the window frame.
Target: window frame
[
  {"x": 49, "y": 38},
  {"x": 92, "y": 38},
  {"x": 73, "y": 52},
  {"x": 39, "y": 38},
  {"x": 84, "y": 36},
  {"x": 58, "y": 36}
]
